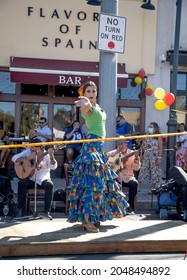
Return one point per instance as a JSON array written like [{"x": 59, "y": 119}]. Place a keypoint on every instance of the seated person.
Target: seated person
[
  {"x": 74, "y": 149},
  {"x": 127, "y": 165},
  {"x": 4, "y": 153},
  {"x": 42, "y": 132},
  {"x": 124, "y": 128},
  {"x": 46, "y": 162}
]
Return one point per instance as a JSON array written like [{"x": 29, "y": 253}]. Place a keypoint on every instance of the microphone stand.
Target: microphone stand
[
  {"x": 120, "y": 168},
  {"x": 35, "y": 214}
]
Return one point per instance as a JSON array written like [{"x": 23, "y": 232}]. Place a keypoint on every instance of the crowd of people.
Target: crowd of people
[{"x": 96, "y": 190}]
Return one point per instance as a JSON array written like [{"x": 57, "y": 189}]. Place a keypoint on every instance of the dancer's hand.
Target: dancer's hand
[{"x": 84, "y": 104}]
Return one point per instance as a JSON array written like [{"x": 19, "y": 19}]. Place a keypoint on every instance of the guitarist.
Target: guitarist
[
  {"x": 126, "y": 171},
  {"x": 46, "y": 163}
]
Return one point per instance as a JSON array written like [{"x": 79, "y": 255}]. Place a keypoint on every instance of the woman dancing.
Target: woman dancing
[{"x": 95, "y": 195}]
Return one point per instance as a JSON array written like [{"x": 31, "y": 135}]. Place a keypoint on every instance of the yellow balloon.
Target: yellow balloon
[
  {"x": 138, "y": 80},
  {"x": 149, "y": 86},
  {"x": 159, "y": 93},
  {"x": 160, "y": 105}
]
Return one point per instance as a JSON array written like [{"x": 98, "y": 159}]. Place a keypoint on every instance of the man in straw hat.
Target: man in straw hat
[{"x": 126, "y": 162}]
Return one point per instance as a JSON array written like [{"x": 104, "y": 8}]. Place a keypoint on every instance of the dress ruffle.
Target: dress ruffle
[{"x": 94, "y": 192}]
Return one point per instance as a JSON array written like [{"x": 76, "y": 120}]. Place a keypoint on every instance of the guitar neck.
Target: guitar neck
[
  {"x": 38, "y": 157},
  {"x": 127, "y": 156},
  {"x": 42, "y": 155}
]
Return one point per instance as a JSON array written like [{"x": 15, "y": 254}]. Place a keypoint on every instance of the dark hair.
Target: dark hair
[
  {"x": 183, "y": 125},
  {"x": 75, "y": 122},
  {"x": 156, "y": 127},
  {"x": 88, "y": 84},
  {"x": 121, "y": 116},
  {"x": 35, "y": 140},
  {"x": 44, "y": 119}
]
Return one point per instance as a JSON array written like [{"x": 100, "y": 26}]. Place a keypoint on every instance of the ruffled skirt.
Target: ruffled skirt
[{"x": 95, "y": 194}]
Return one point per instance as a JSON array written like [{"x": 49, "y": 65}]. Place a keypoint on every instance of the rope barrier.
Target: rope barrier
[{"x": 12, "y": 146}]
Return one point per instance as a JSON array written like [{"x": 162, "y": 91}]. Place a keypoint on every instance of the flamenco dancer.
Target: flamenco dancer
[{"x": 95, "y": 194}]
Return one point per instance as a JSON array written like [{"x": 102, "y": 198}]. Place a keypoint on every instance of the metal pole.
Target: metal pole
[
  {"x": 108, "y": 79},
  {"x": 172, "y": 123}
]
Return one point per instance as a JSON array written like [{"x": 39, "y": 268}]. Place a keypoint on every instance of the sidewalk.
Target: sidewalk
[
  {"x": 142, "y": 232},
  {"x": 131, "y": 234}
]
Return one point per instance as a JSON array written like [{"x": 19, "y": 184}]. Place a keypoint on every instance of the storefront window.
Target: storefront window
[
  {"x": 30, "y": 114},
  {"x": 34, "y": 89},
  {"x": 132, "y": 115},
  {"x": 65, "y": 91},
  {"x": 181, "y": 108},
  {"x": 181, "y": 81},
  {"x": 181, "y": 101},
  {"x": 64, "y": 115},
  {"x": 6, "y": 86},
  {"x": 132, "y": 92},
  {"x": 7, "y": 113}
]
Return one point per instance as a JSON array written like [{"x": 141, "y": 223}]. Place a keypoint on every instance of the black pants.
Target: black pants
[
  {"x": 133, "y": 187},
  {"x": 25, "y": 184},
  {"x": 5, "y": 186}
]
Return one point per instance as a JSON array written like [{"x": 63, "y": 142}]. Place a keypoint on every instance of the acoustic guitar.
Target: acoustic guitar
[
  {"x": 25, "y": 167},
  {"x": 116, "y": 162}
]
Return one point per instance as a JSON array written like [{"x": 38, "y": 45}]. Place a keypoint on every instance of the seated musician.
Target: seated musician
[
  {"x": 46, "y": 162},
  {"x": 126, "y": 162}
]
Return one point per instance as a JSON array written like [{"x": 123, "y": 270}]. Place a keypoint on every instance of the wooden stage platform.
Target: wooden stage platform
[{"x": 131, "y": 234}]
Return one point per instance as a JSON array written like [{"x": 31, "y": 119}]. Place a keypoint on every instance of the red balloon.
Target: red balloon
[
  {"x": 169, "y": 98},
  {"x": 148, "y": 91},
  {"x": 141, "y": 73}
]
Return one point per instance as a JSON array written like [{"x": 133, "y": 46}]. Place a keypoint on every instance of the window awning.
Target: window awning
[{"x": 59, "y": 72}]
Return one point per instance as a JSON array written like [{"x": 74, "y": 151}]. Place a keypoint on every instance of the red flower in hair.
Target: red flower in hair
[{"x": 80, "y": 90}]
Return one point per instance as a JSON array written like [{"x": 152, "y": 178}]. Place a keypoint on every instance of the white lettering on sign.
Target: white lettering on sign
[
  {"x": 70, "y": 80},
  {"x": 111, "y": 33}
]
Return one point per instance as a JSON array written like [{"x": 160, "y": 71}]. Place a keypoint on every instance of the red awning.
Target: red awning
[{"x": 59, "y": 72}]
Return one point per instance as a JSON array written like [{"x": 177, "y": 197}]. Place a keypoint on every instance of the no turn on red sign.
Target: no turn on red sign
[{"x": 112, "y": 33}]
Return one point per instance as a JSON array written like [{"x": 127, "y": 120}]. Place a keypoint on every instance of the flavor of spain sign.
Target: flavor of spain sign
[{"x": 111, "y": 33}]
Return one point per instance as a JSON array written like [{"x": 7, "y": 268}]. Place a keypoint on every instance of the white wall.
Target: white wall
[{"x": 165, "y": 41}]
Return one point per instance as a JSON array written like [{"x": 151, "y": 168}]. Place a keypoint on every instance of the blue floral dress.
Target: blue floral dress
[{"x": 95, "y": 194}]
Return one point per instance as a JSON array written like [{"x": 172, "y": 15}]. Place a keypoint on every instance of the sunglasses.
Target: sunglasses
[{"x": 41, "y": 122}]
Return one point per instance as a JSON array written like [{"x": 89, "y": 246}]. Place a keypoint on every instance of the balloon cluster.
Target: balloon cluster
[
  {"x": 139, "y": 78},
  {"x": 163, "y": 99}
]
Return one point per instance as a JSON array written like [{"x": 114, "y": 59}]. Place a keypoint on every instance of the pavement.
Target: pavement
[{"x": 143, "y": 232}]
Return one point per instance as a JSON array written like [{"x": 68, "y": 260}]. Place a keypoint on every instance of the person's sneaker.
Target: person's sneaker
[
  {"x": 48, "y": 215},
  {"x": 130, "y": 211}
]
